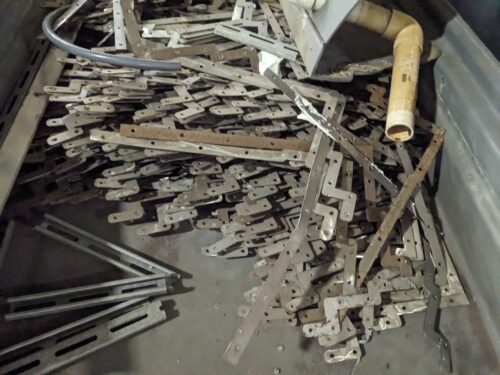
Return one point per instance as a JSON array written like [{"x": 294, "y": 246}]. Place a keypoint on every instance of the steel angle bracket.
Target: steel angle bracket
[
  {"x": 202, "y": 149},
  {"x": 271, "y": 285},
  {"x": 66, "y": 345},
  {"x": 134, "y": 212},
  {"x": 229, "y": 72},
  {"x": 70, "y": 12},
  {"x": 273, "y": 22},
  {"x": 329, "y": 215},
  {"x": 332, "y": 129},
  {"x": 243, "y": 10},
  {"x": 261, "y": 42},
  {"x": 139, "y": 46},
  {"x": 108, "y": 252},
  {"x": 331, "y": 326},
  {"x": 428, "y": 225},
  {"x": 349, "y": 282},
  {"x": 42, "y": 304},
  {"x": 351, "y": 351},
  {"x": 431, "y": 319},
  {"x": 242, "y": 53},
  {"x": 348, "y": 331},
  {"x": 247, "y": 141},
  {"x": 381, "y": 237},
  {"x": 307, "y": 277},
  {"x": 174, "y": 52}
]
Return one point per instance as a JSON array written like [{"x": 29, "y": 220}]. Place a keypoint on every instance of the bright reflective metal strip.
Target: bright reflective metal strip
[{"x": 333, "y": 130}]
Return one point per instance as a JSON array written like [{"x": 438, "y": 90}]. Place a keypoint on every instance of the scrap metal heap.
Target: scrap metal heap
[{"x": 286, "y": 169}]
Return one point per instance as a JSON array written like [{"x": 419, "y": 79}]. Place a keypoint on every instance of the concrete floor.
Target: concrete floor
[{"x": 202, "y": 314}]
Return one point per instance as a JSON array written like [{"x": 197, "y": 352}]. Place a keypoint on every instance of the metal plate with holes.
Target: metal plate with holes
[
  {"x": 260, "y": 42},
  {"x": 29, "y": 306},
  {"x": 67, "y": 344},
  {"x": 68, "y": 234}
]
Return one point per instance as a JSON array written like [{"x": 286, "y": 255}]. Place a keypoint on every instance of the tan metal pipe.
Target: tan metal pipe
[{"x": 408, "y": 43}]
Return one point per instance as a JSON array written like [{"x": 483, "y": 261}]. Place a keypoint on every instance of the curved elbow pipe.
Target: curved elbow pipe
[{"x": 408, "y": 44}]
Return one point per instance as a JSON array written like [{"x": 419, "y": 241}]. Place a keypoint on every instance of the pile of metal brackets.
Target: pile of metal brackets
[{"x": 295, "y": 173}]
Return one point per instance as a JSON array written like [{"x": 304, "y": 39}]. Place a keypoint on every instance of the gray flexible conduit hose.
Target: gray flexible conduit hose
[{"x": 129, "y": 62}]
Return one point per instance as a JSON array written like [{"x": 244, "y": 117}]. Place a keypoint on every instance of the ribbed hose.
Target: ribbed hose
[{"x": 129, "y": 62}]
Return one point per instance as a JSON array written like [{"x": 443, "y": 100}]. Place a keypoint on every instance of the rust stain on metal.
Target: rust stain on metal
[{"x": 249, "y": 141}]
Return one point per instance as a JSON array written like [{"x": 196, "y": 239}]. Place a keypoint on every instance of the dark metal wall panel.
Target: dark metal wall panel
[
  {"x": 483, "y": 16},
  {"x": 20, "y": 24},
  {"x": 461, "y": 92}
]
